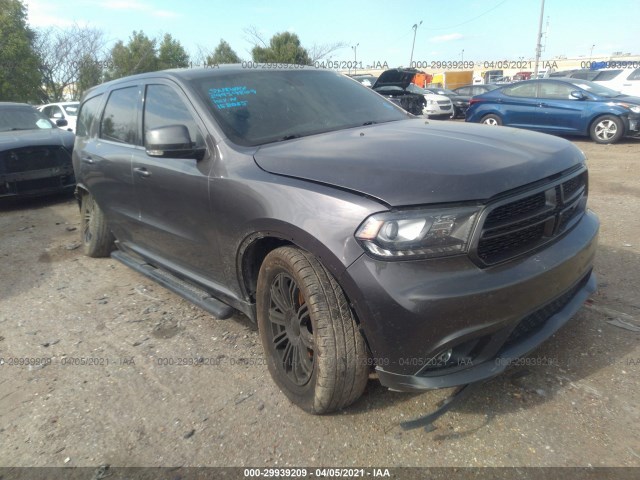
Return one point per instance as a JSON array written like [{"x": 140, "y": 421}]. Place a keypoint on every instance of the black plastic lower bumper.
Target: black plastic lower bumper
[{"x": 496, "y": 365}]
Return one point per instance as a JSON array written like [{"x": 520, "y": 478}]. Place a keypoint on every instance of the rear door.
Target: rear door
[
  {"x": 106, "y": 139},
  {"x": 173, "y": 193},
  {"x": 518, "y": 104}
]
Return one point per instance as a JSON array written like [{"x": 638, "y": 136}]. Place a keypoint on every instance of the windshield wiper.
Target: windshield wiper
[
  {"x": 368, "y": 123},
  {"x": 290, "y": 137},
  {"x": 17, "y": 128}
]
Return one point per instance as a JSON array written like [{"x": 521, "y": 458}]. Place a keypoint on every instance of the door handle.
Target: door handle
[
  {"x": 143, "y": 172},
  {"x": 88, "y": 159},
  {"x": 543, "y": 105}
]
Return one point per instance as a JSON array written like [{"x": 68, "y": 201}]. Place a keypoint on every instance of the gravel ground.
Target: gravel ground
[{"x": 134, "y": 404}]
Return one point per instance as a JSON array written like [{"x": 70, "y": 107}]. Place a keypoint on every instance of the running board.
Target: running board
[{"x": 186, "y": 290}]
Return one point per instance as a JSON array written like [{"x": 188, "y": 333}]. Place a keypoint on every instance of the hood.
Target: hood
[
  {"x": 32, "y": 138},
  {"x": 437, "y": 97},
  {"x": 397, "y": 77},
  {"x": 624, "y": 99},
  {"x": 413, "y": 162}
]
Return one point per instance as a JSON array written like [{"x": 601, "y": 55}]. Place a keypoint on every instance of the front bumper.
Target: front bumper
[
  {"x": 632, "y": 125},
  {"x": 37, "y": 182},
  {"x": 412, "y": 311}
]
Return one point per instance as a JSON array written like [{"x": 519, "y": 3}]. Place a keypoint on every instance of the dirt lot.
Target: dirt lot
[{"x": 133, "y": 405}]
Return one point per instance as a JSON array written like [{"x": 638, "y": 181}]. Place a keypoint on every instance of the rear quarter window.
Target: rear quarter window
[{"x": 88, "y": 114}]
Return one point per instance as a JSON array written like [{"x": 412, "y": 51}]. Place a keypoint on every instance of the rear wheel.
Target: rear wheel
[
  {"x": 97, "y": 239},
  {"x": 606, "y": 129},
  {"x": 314, "y": 349},
  {"x": 492, "y": 120}
]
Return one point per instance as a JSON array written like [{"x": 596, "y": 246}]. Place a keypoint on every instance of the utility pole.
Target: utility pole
[
  {"x": 415, "y": 29},
  {"x": 539, "y": 43},
  {"x": 355, "y": 58},
  {"x": 591, "y": 53}
]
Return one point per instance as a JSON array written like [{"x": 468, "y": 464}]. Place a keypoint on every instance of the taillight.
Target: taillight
[{"x": 474, "y": 100}]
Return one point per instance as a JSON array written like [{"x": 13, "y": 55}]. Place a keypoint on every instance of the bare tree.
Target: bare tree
[
  {"x": 325, "y": 50},
  {"x": 63, "y": 54},
  {"x": 253, "y": 36}
]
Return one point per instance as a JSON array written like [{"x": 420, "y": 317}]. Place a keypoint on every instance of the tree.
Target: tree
[
  {"x": 19, "y": 74},
  {"x": 223, "y": 54},
  {"x": 283, "y": 47},
  {"x": 172, "y": 54},
  {"x": 64, "y": 54},
  {"x": 138, "y": 56},
  {"x": 315, "y": 53}
]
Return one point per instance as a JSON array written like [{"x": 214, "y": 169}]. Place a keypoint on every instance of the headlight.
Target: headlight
[
  {"x": 633, "y": 108},
  {"x": 431, "y": 102},
  {"x": 418, "y": 233}
]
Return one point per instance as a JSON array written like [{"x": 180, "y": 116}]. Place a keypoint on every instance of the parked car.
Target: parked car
[
  {"x": 625, "y": 80},
  {"x": 62, "y": 110},
  {"x": 396, "y": 85},
  {"x": 35, "y": 156},
  {"x": 353, "y": 233},
  {"x": 460, "y": 102},
  {"x": 561, "y": 106},
  {"x": 366, "y": 80},
  {"x": 437, "y": 106}
]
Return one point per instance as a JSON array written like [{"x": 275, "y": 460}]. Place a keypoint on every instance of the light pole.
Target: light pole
[
  {"x": 591, "y": 53},
  {"x": 415, "y": 30},
  {"x": 355, "y": 57},
  {"x": 539, "y": 44},
  {"x": 462, "y": 56}
]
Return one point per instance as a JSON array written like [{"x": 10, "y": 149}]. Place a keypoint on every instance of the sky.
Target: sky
[{"x": 382, "y": 30}]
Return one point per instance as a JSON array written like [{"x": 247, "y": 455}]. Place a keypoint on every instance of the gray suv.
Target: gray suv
[{"x": 357, "y": 236}]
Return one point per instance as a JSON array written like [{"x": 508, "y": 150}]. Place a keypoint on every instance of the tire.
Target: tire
[
  {"x": 606, "y": 129},
  {"x": 97, "y": 239},
  {"x": 299, "y": 304},
  {"x": 492, "y": 120}
]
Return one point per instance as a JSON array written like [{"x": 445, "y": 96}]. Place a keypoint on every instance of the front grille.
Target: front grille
[
  {"x": 33, "y": 158},
  {"x": 533, "y": 323},
  {"x": 514, "y": 227}
]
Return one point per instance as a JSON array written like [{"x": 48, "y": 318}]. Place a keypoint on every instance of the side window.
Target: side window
[
  {"x": 557, "y": 91},
  {"x": 56, "y": 112},
  {"x": 46, "y": 111},
  {"x": 119, "y": 121},
  {"x": 607, "y": 75},
  {"x": 88, "y": 114},
  {"x": 464, "y": 91},
  {"x": 521, "y": 90},
  {"x": 163, "y": 107},
  {"x": 635, "y": 75}
]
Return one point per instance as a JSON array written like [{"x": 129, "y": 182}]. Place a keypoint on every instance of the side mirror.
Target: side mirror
[
  {"x": 172, "y": 141},
  {"x": 578, "y": 95},
  {"x": 61, "y": 122}
]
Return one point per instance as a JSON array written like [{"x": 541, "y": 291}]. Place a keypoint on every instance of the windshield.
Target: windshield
[
  {"x": 22, "y": 118},
  {"x": 71, "y": 109},
  {"x": 413, "y": 88},
  {"x": 254, "y": 108},
  {"x": 596, "y": 89}
]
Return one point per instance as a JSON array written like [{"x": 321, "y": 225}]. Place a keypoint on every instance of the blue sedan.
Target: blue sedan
[{"x": 561, "y": 106}]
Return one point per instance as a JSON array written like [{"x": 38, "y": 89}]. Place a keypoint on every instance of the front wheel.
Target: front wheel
[
  {"x": 606, "y": 129},
  {"x": 492, "y": 120},
  {"x": 315, "y": 351}
]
